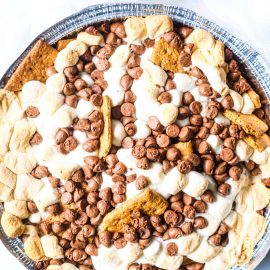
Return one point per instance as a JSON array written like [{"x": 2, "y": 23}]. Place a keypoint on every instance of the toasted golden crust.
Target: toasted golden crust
[
  {"x": 259, "y": 143},
  {"x": 166, "y": 57},
  {"x": 105, "y": 140},
  {"x": 33, "y": 248},
  {"x": 255, "y": 98},
  {"x": 62, "y": 43},
  {"x": 149, "y": 201},
  {"x": 250, "y": 123},
  {"x": 33, "y": 66},
  {"x": 185, "y": 148}
]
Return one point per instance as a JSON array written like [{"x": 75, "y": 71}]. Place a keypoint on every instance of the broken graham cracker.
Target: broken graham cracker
[
  {"x": 62, "y": 43},
  {"x": 259, "y": 143},
  {"x": 255, "y": 98},
  {"x": 250, "y": 123},
  {"x": 149, "y": 201},
  {"x": 33, "y": 66},
  {"x": 166, "y": 57},
  {"x": 185, "y": 148},
  {"x": 105, "y": 140}
]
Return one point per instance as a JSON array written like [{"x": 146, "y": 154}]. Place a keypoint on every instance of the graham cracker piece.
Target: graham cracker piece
[
  {"x": 255, "y": 98},
  {"x": 259, "y": 143},
  {"x": 149, "y": 201},
  {"x": 105, "y": 140},
  {"x": 166, "y": 57},
  {"x": 62, "y": 43},
  {"x": 185, "y": 148},
  {"x": 33, "y": 66},
  {"x": 250, "y": 123}
]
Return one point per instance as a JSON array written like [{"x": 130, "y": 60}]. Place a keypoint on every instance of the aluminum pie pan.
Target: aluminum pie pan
[{"x": 255, "y": 68}]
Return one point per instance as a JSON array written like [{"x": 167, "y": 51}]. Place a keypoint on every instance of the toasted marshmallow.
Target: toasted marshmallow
[
  {"x": 6, "y": 130},
  {"x": 143, "y": 130},
  {"x": 187, "y": 243},
  {"x": 168, "y": 262},
  {"x": 17, "y": 208},
  {"x": 120, "y": 56},
  {"x": 204, "y": 252},
  {"x": 243, "y": 150},
  {"x": 20, "y": 163},
  {"x": 8, "y": 178},
  {"x": 77, "y": 46},
  {"x": 50, "y": 102},
  {"x": 238, "y": 101},
  {"x": 135, "y": 29},
  {"x": 45, "y": 197},
  {"x": 130, "y": 253},
  {"x": 31, "y": 93},
  {"x": 51, "y": 247},
  {"x": 153, "y": 74},
  {"x": 90, "y": 39},
  {"x": 118, "y": 132},
  {"x": 157, "y": 25},
  {"x": 64, "y": 116},
  {"x": 201, "y": 39},
  {"x": 65, "y": 58},
  {"x": 56, "y": 82},
  {"x": 167, "y": 114},
  {"x": 196, "y": 184}
]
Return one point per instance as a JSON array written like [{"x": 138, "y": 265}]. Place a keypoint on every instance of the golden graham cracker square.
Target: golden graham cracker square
[
  {"x": 250, "y": 123},
  {"x": 62, "y": 43},
  {"x": 166, "y": 57},
  {"x": 33, "y": 66},
  {"x": 149, "y": 201}
]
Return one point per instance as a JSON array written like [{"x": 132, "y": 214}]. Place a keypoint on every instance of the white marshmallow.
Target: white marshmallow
[
  {"x": 87, "y": 78},
  {"x": 124, "y": 155},
  {"x": 167, "y": 114},
  {"x": 243, "y": 150},
  {"x": 56, "y": 82},
  {"x": 142, "y": 128},
  {"x": 31, "y": 93},
  {"x": 196, "y": 184},
  {"x": 215, "y": 142},
  {"x": 248, "y": 106},
  {"x": 176, "y": 97},
  {"x": 118, "y": 132},
  {"x": 84, "y": 108},
  {"x": 51, "y": 247},
  {"x": 184, "y": 82},
  {"x": 220, "y": 119},
  {"x": 35, "y": 218},
  {"x": 183, "y": 123},
  {"x": 174, "y": 181}
]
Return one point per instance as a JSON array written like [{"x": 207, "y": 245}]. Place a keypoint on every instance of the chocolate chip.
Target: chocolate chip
[
  {"x": 215, "y": 239},
  {"x": 66, "y": 198},
  {"x": 200, "y": 223},
  {"x": 137, "y": 49},
  {"x": 172, "y": 131},
  {"x": 184, "y": 166},
  {"x": 172, "y": 249},
  {"x": 143, "y": 163},
  {"x": 141, "y": 182},
  {"x": 40, "y": 172},
  {"x": 187, "y": 228},
  {"x": 173, "y": 154},
  {"x": 135, "y": 72},
  {"x": 32, "y": 112},
  {"x": 36, "y": 139},
  {"x": 224, "y": 189},
  {"x": 165, "y": 97},
  {"x": 187, "y": 98},
  {"x": 208, "y": 196},
  {"x": 90, "y": 145},
  {"x": 133, "y": 61},
  {"x": 226, "y": 154},
  {"x": 199, "y": 206},
  {"x": 119, "y": 29},
  {"x": 163, "y": 140}
]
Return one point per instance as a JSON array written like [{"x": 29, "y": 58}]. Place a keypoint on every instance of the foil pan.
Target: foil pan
[{"x": 256, "y": 69}]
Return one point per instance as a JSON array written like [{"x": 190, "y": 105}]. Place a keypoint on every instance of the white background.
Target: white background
[{"x": 22, "y": 20}]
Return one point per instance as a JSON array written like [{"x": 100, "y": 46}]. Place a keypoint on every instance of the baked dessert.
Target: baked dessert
[{"x": 134, "y": 144}]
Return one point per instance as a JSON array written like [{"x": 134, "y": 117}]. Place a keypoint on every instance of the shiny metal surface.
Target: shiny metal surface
[{"x": 254, "y": 65}]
